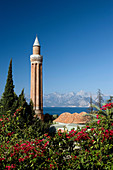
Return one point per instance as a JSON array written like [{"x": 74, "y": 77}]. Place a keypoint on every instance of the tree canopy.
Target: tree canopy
[{"x": 8, "y": 97}]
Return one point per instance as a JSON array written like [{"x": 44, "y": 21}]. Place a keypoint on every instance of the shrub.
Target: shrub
[{"x": 29, "y": 148}]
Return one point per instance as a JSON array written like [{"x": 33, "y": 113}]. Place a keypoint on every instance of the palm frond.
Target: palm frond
[
  {"x": 92, "y": 115},
  {"x": 96, "y": 107}
]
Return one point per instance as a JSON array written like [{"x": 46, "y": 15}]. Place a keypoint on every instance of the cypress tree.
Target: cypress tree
[
  {"x": 15, "y": 104},
  {"x": 21, "y": 99},
  {"x": 8, "y": 95}
]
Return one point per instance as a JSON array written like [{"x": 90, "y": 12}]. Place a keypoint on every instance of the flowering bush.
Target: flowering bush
[
  {"x": 107, "y": 109},
  {"x": 87, "y": 148},
  {"x": 107, "y": 106}
]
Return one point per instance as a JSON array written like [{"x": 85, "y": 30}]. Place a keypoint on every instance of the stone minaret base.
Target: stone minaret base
[{"x": 39, "y": 114}]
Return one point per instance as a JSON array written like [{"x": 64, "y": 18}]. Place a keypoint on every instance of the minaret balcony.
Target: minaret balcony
[{"x": 36, "y": 58}]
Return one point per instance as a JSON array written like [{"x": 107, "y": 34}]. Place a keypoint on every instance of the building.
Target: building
[{"x": 36, "y": 79}]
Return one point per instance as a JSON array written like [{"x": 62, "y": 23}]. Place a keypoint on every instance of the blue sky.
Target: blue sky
[{"x": 76, "y": 38}]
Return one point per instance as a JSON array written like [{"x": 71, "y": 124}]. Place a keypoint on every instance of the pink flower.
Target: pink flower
[
  {"x": 98, "y": 122},
  {"x": 1, "y": 159},
  {"x": 8, "y": 167},
  {"x": 13, "y": 166},
  {"x": 97, "y": 116},
  {"x": 1, "y": 120},
  {"x": 21, "y": 159},
  {"x": 86, "y": 150},
  {"x": 107, "y": 131},
  {"x": 92, "y": 129},
  {"x": 51, "y": 165},
  {"x": 48, "y": 137},
  {"x": 45, "y": 134},
  {"x": 12, "y": 155}
]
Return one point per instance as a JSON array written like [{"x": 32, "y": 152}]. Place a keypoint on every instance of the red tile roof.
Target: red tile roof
[{"x": 77, "y": 118}]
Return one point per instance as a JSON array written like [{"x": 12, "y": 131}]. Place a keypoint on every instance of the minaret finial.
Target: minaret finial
[{"x": 36, "y": 43}]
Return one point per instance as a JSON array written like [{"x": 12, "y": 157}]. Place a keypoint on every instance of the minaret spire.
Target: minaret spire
[
  {"x": 36, "y": 46},
  {"x": 36, "y": 42}
]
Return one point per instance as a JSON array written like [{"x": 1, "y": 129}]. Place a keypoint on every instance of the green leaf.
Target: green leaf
[{"x": 96, "y": 107}]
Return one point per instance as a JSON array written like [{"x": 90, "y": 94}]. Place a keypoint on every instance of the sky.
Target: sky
[{"x": 76, "y": 38}]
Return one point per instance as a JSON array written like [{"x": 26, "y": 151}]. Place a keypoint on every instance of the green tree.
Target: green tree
[
  {"x": 30, "y": 112},
  {"x": 27, "y": 112},
  {"x": 8, "y": 96},
  {"x": 22, "y": 103},
  {"x": 99, "y": 98},
  {"x": 91, "y": 103},
  {"x": 21, "y": 99}
]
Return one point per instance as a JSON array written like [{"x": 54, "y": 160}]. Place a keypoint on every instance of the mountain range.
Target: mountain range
[{"x": 71, "y": 99}]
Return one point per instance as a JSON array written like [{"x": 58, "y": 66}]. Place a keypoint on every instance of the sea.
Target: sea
[{"x": 60, "y": 110}]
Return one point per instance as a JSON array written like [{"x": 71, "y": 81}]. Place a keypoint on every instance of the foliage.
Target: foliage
[
  {"x": 91, "y": 101},
  {"x": 8, "y": 97},
  {"x": 99, "y": 98},
  {"x": 28, "y": 148},
  {"x": 49, "y": 118},
  {"x": 27, "y": 112},
  {"x": 10, "y": 101},
  {"x": 25, "y": 143}
]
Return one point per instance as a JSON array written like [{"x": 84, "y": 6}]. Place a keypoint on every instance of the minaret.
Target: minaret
[{"x": 36, "y": 79}]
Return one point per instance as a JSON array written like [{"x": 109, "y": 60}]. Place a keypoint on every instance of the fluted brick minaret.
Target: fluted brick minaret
[{"x": 36, "y": 79}]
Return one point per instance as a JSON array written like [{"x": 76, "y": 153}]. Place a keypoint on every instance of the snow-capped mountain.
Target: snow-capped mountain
[{"x": 71, "y": 99}]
